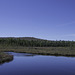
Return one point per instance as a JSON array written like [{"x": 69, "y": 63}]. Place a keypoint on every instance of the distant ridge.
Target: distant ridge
[
  {"x": 23, "y": 38},
  {"x": 33, "y": 42}
]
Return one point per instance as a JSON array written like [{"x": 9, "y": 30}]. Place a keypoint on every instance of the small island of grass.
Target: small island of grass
[{"x": 5, "y": 57}]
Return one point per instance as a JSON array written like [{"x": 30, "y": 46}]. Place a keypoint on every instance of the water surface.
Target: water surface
[{"x": 29, "y": 64}]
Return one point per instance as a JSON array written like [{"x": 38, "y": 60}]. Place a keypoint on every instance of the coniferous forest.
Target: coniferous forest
[{"x": 34, "y": 42}]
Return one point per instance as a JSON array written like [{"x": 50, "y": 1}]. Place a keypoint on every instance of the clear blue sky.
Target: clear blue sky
[{"x": 46, "y": 19}]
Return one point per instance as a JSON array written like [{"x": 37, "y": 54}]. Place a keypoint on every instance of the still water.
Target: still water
[{"x": 29, "y": 64}]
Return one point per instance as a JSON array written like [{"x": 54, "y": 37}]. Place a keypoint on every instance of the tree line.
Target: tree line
[{"x": 35, "y": 43}]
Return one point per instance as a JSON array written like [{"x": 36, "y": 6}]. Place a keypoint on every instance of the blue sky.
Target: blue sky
[{"x": 46, "y": 19}]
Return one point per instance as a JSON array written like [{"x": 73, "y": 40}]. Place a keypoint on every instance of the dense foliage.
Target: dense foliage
[{"x": 34, "y": 43}]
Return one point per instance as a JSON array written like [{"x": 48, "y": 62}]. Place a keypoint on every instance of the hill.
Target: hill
[
  {"x": 22, "y": 38},
  {"x": 33, "y": 42}
]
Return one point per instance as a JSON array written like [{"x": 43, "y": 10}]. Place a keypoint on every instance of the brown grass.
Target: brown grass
[
  {"x": 58, "y": 51},
  {"x": 5, "y": 57}
]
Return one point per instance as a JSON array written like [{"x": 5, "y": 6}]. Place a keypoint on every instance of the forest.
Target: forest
[{"x": 34, "y": 42}]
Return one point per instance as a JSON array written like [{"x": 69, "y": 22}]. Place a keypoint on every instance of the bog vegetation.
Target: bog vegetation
[{"x": 5, "y": 57}]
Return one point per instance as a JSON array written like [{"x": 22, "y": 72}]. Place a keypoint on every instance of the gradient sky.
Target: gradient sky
[{"x": 46, "y": 19}]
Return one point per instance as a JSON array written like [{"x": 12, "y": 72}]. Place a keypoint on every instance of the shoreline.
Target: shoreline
[{"x": 54, "y": 51}]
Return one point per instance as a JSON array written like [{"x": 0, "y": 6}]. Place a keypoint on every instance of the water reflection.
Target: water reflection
[
  {"x": 20, "y": 54},
  {"x": 38, "y": 65}
]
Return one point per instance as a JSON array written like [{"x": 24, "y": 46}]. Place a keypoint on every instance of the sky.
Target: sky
[{"x": 46, "y": 19}]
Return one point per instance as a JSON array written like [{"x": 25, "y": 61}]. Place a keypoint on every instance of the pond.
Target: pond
[{"x": 31, "y": 64}]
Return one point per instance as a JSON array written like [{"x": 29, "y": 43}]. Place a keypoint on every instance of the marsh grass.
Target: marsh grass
[
  {"x": 57, "y": 51},
  {"x": 5, "y": 57}
]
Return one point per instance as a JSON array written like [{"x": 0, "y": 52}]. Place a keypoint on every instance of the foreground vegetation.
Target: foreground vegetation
[
  {"x": 37, "y": 46},
  {"x": 5, "y": 57}
]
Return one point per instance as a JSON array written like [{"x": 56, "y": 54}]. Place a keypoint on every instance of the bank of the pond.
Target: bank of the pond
[
  {"x": 5, "y": 57},
  {"x": 57, "y": 51}
]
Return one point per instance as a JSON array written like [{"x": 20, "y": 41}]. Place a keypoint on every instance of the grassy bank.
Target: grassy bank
[
  {"x": 57, "y": 51},
  {"x": 37, "y": 46},
  {"x": 5, "y": 57}
]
